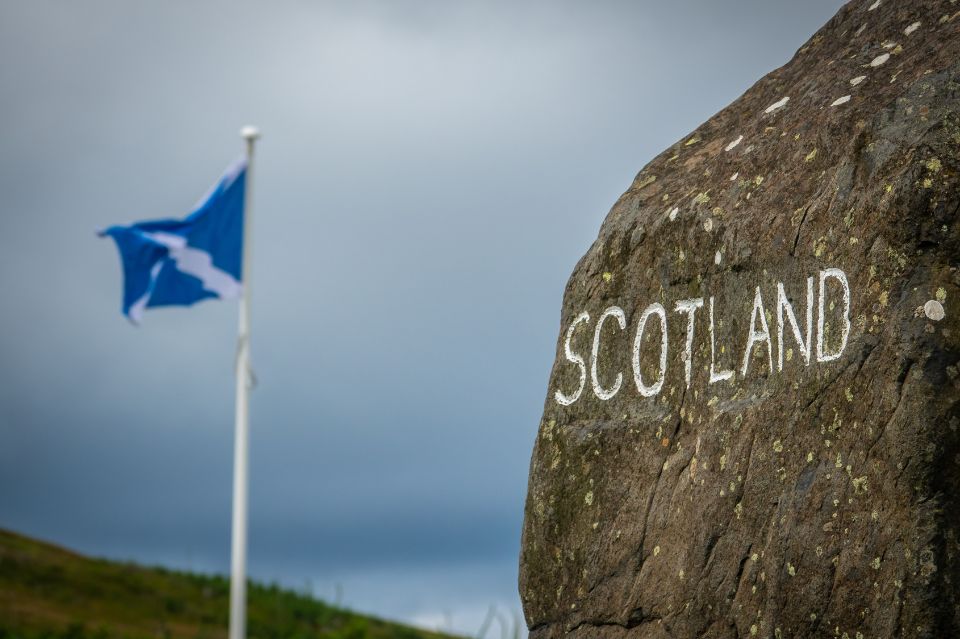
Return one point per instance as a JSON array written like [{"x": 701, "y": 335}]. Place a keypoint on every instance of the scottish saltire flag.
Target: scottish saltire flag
[{"x": 179, "y": 262}]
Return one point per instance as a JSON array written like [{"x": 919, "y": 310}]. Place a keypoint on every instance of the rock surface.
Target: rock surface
[{"x": 783, "y": 460}]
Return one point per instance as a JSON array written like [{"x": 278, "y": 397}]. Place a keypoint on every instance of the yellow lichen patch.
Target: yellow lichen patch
[
  {"x": 934, "y": 165},
  {"x": 875, "y": 563},
  {"x": 607, "y": 276},
  {"x": 941, "y": 294},
  {"x": 692, "y": 141},
  {"x": 778, "y": 446},
  {"x": 884, "y": 298},
  {"x": 791, "y": 569},
  {"x": 647, "y": 181},
  {"x": 810, "y": 156},
  {"x": 849, "y": 394},
  {"x": 588, "y": 498},
  {"x": 702, "y": 198},
  {"x": 548, "y": 429},
  {"x": 809, "y": 457},
  {"x": 819, "y": 247},
  {"x": 758, "y": 180},
  {"x": 656, "y": 550},
  {"x": 860, "y": 485},
  {"x": 927, "y": 183}
]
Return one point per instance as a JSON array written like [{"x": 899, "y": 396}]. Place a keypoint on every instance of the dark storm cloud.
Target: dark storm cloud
[{"x": 429, "y": 174}]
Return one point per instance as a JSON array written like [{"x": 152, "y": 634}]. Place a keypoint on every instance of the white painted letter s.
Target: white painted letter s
[{"x": 566, "y": 400}]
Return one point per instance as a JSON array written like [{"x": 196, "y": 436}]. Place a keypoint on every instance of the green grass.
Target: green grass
[{"x": 47, "y": 592}]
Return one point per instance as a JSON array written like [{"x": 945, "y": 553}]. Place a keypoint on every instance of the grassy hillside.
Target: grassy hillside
[{"x": 49, "y": 592}]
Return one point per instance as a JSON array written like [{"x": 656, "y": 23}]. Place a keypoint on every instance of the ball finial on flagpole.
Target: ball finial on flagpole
[{"x": 250, "y": 132}]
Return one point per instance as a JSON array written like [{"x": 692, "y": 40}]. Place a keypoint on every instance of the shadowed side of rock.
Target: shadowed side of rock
[{"x": 751, "y": 426}]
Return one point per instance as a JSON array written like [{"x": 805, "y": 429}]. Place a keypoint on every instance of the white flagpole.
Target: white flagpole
[{"x": 241, "y": 444}]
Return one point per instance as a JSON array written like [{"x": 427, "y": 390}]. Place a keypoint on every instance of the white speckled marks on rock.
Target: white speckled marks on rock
[
  {"x": 733, "y": 145},
  {"x": 777, "y": 105},
  {"x": 933, "y": 309}
]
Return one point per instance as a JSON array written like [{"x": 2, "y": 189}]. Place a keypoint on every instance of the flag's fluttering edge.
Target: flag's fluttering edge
[{"x": 179, "y": 262}]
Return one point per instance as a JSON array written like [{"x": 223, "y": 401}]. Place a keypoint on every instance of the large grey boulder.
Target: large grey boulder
[{"x": 751, "y": 424}]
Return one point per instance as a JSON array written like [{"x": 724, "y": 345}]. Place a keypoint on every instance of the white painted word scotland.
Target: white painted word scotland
[{"x": 655, "y": 317}]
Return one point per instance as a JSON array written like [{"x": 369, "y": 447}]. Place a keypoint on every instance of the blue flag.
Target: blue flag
[{"x": 179, "y": 262}]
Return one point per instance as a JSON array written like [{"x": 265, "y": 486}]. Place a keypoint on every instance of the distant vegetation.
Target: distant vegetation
[{"x": 47, "y": 592}]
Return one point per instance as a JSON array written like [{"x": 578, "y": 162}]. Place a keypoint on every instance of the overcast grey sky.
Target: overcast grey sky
[{"x": 428, "y": 176}]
